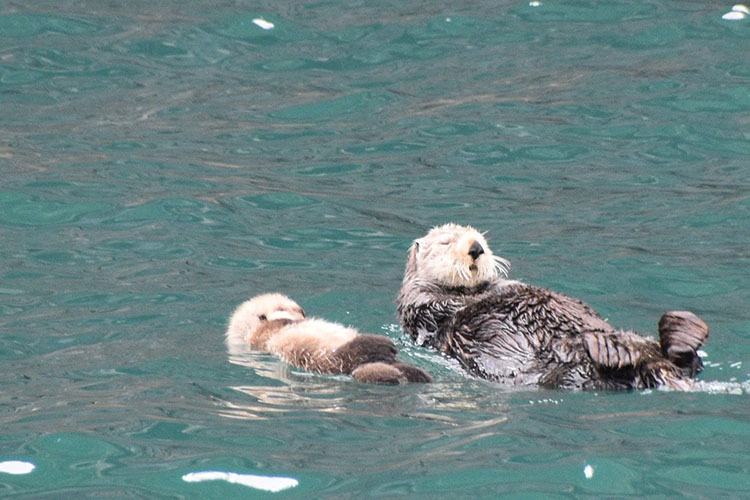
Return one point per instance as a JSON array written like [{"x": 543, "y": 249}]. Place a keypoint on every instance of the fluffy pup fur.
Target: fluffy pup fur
[{"x": 276, "y": 324}]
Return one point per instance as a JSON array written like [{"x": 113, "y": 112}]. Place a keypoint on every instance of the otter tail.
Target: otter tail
[
  {"x": 372, "y": 359},
  {"x": 681, "y": 333}
]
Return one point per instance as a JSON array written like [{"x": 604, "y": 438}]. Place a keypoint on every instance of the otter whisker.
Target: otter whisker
[
  {"x": 501, "y": 265},
  {"x": 465, "y": 275},
  {"x": 458, "y": 273},
  {"x": 452, "y": 274}
]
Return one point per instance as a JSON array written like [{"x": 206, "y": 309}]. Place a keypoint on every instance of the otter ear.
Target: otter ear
[{"x": 411, "y": 257}]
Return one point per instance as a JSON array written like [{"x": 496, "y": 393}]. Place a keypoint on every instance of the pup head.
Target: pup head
[{"x": 257, "y": 319}]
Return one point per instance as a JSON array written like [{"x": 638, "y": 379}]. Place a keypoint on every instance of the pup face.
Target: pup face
[
  {"x": 257, "y": 319},
  {"x": 453, "y": 255}
]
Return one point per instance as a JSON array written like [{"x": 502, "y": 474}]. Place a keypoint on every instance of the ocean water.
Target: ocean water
[{"x": 160, "y": 162}]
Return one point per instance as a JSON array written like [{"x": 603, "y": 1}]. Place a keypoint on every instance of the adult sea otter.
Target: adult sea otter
[{"x": 456, "y": 298}]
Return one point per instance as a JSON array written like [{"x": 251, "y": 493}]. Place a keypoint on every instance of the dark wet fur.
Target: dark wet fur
[
  {"x": 379, "y": 353},
  {"x": 423, "y": 309},
  {"x": 521, "y": 334}
]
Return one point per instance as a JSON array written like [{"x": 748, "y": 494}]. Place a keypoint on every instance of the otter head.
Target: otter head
[
  {"x": 256, "y": 320},
  {"x": 453, "y": 255}
]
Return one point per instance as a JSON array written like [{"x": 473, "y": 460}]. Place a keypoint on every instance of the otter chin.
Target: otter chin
[
  {"x": 455, "y": 297},
  {"x": 275, "y": 323}
]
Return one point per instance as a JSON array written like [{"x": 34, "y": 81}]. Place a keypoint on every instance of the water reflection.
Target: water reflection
[
  {"x": 281, "y": 389},
  {"x": 298, "y": 390}
]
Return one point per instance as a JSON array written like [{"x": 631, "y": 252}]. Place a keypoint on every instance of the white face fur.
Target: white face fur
[
  {"x": 454, "y": 255},
  {"x": 253, "y": 314}
]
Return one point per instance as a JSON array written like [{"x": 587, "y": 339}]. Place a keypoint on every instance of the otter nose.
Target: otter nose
[{"x": 475, "y": 250}]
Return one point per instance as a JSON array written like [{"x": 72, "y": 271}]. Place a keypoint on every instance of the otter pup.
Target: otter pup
[
  {"x": 277, "y": 324},
  {"x": 456, "y": 298}
]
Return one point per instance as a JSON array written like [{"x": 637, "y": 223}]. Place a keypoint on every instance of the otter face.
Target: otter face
[
  {"x": 257, "y": 319},
  {"x": 453, "y": 255}
]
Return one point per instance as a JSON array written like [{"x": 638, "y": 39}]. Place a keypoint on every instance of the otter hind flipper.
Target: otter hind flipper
[{"x": 681, "y": 333}]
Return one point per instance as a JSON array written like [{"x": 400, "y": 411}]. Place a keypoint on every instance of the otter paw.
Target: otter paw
[{"x": 611, "y": 350}]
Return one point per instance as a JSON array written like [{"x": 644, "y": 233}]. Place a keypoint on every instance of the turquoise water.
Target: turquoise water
[{"x": 163, "y": 161}]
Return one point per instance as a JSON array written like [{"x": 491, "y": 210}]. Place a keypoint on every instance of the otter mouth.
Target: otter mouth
[{"x": 473, "y": 268}]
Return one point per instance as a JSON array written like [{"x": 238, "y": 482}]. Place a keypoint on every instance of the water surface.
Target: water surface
[{"x": 161, "y": 162}]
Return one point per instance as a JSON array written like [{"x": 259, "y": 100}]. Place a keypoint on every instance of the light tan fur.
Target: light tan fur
[
  {"x": 285, "y": 332},
  {"x": 310, "y": 344},
  {"x": 442, "y": 256},
  {"x": 249, "y": 324}
]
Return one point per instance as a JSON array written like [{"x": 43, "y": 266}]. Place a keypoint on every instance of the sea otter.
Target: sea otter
[
  {"x": 276, "y": 324},
  {"x": 456, "y": 298}
]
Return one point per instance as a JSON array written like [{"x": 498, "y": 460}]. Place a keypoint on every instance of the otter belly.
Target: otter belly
[{"x": 532, "y": 336}]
